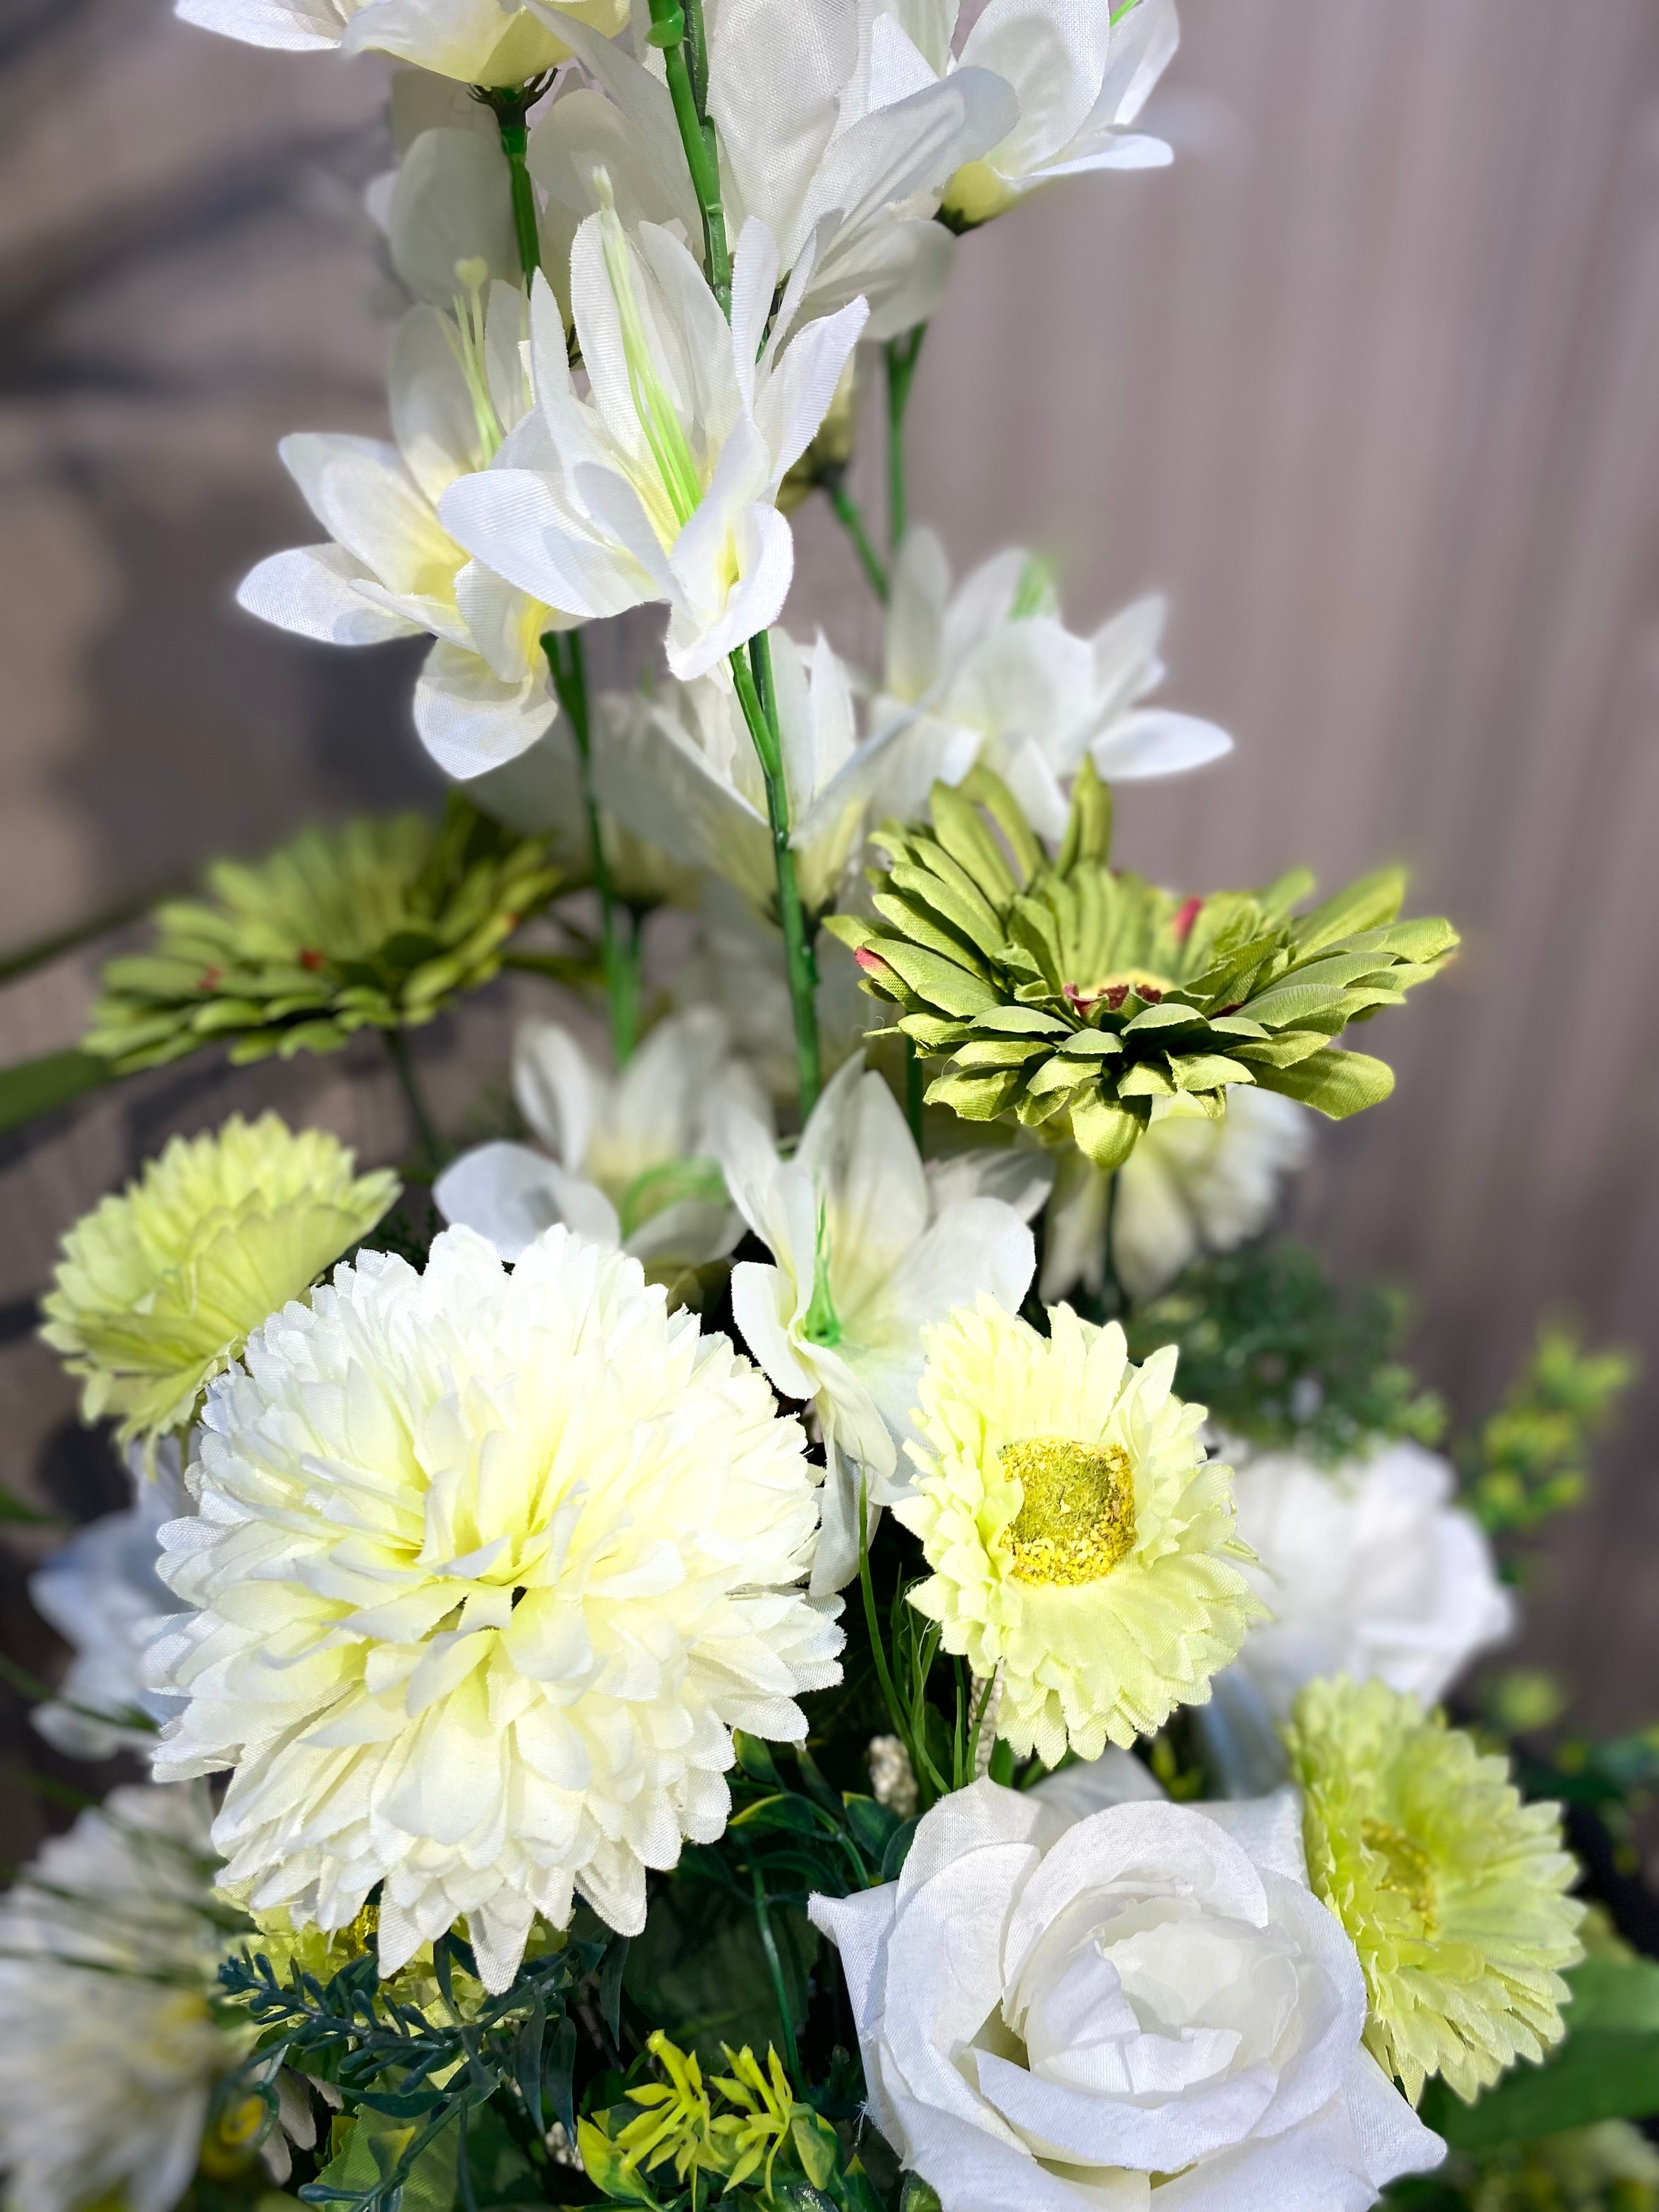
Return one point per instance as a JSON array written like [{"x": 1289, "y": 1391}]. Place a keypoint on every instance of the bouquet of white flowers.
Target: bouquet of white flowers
[{"x": 812, "y": 1618}]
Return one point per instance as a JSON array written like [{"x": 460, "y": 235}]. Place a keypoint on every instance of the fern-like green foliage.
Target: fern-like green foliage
[
  {"x": 378, "y": 925},
  {"x": 1530, "y": 1458},
  {"x": 1071, "y": 996},
  {"x": 1286, "y": 1362}
]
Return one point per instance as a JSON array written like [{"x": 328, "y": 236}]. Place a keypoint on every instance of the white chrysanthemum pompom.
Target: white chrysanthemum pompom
[{"x": 488, "y": 1566}]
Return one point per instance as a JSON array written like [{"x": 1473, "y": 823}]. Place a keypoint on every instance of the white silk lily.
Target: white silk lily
[
  {"x": 678, "y": 766},
  {"x": 624, "y": 1160},
  {"x": 662, "y": 483},
  {"x": 993, "y": 657},
  {"x": 1081, "y": 75},
  {"x": 390, "y": 569},
  {"x": 844, "y": 170},
  {"x": 490, "y": 42},
  {"x": 868, "y": 1247}
]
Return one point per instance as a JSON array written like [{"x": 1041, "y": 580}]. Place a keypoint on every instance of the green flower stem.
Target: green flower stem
[
  {"x": 682, "y": 54},
  {"x": 429, "y": 1148},
  {"x": 565, "y": 659},
  {"x": 752, "y": 674},
  {"x": 902, "y": 356},
  {"x": 849, "y": 516},
  {"x": 515, "y": 137},
  {"x": 775, "y": 1968},
  {"x": 872, "y": 1622},
  {"x": 913, "y": 1090}
]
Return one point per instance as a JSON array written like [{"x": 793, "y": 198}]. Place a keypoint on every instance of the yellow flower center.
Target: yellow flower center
[
  {"x": 1077, "y": 1516},
  {"x": 1407, "y": 1868}
]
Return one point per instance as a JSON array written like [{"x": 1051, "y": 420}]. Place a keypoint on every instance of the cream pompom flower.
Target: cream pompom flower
[
  {"x": 1080, "y": 1541},
  {"x": 159, "y": 1285},
  {"x": 1452, "y": 1889},
  {"x": 488, "y": 1566}
]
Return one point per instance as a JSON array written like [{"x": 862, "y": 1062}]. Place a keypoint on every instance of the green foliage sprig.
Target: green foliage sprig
[{"x": 1530, "y": 1458}]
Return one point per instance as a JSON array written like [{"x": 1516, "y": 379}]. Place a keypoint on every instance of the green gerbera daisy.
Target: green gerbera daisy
[
  {"x": 159, "y": 1286},
  {"x": 378, "y": 925},
  {"x": 1072, "y": 995},
  {"x": 1452, "y": 1889}
]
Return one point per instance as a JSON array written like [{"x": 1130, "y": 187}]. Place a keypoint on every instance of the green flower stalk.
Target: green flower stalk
[
  {"x": 1071, "y": 996},
  {"x": 1452, "y": 1889},
  {"x": 378, "y": 925},
  {"x": 159, "y": 1286}
]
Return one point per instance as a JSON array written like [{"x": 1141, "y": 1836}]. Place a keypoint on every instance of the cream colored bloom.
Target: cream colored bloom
[
  {"x": 490, "y": 1566},
  {"x": 990, "y": 658},
  {"x": 1140, "y": 2007},
  {"x": 109, "y": 1944},
  {"x": 1370, "y": 1570},
  {"x": 627, "y": 1160},
  {"x": 490, "y": 42},
  {"x": 678, "y": 766},
  {"x": 390, "y": 569},
  {"x": 1191, "y": 1185},
  {"x": 1080, "y": 1541},
  {"x": 867, "y": 1248},
  {"x": 158, "y": 1287},
  {"x": 662, "y": 484}
]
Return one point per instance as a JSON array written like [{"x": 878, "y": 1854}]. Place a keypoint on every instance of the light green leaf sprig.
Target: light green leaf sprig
[
  {"x": 377, "y": 925},
  {"x": 1073, "y": 997},
  {"x": 160, "y": 1285},
  {"x": 1452, "y": 1889}
]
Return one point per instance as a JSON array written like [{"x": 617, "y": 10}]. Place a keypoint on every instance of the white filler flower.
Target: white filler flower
[
  {"x": 1369, "y": 1568},
  {"x": 108, "y": 2050},
  {"x": 1051, "y": 2013},
  {"x": 489, "y": 1567}
]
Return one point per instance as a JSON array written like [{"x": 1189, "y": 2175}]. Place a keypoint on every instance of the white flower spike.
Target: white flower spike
[
  {"x": 867, "y": 1249},
  {"x": 390, "y": 569},
  {"x": 490, "y": 1566},
  {"x": 626, "y": 1159},
  {"x": 660, "y": 485},
  {"x": 490, "y": 42},
  {"x": 992, "y": 658}
]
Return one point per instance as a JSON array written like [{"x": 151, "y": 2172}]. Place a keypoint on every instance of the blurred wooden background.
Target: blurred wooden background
[{"x": 1369, "y": 381}]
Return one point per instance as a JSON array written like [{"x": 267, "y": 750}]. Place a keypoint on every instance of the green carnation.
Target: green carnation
[
  {"x": 159, "y": 1287},
  {"x": 378, "y": 925},
  {"x": 1452, "y": 1889},
  {"x": 1073, "y": 996}
]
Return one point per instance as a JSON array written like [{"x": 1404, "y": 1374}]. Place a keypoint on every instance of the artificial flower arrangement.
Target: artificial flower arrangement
[{"x": 817, "y": 1622}]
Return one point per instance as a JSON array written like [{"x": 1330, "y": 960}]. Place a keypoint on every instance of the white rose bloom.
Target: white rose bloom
[
  {"x": 490, "y": 42},
  {"x": 1145, "y": 2007},
  {"x": 1190, "y": 1186},
  {"x": 993, "y": 660},
  {"x": 108, "y": 2050},
  {"x": 662, "y": 484},
  {"x": 1370, "y": 1569},
  {"x": 843, "y": 164},
  {"x": 627, "y": 1160},
  {"x": 490, "y": 1565},
  {"x": 868, "y": 1247},
  {"x": 678, "y": 766},
  {"x": 390, "y": 569},
  {"x": 99, "y": 1592}
]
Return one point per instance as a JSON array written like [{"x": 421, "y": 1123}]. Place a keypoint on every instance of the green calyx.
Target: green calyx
[
  {"x": 1071, "y": 997},
  {"x": 377, "y": 925}
]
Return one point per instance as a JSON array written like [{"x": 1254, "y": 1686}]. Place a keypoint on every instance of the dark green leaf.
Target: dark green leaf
[{"x": 34, "y": 1087}]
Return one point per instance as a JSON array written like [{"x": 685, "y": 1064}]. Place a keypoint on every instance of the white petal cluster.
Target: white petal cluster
[
  {"x": 108, "y": 2050},
  {"x": 1190, "y": 1186},
  {"x": 101, "y": 1593},
  {"x": 1055, "y": 2013},
  {"x": 488, "y": 1566},
  {"x": 868, "y": 1247},
  {"x": 660, "y": 485},
  {"x": 1370, "y": 1569},
  {"x": 626, "y": 1160},
  {"x": 389, "y": 567},
  {"x": 678, "y": 766},
  {"x": 492, "y": 42},
  {"x": 992, "y": 658}
]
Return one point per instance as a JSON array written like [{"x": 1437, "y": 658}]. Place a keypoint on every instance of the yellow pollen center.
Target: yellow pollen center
[
  {"x": 1408, "y": 1870},
  {"x": 1076, "y": 1517}
]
